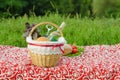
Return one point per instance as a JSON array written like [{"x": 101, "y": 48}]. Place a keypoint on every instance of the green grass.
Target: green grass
[{"x": 80, "y": 31}]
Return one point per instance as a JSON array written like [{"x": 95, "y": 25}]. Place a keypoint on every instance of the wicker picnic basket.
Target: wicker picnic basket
[{"x": 44, "y": 54}]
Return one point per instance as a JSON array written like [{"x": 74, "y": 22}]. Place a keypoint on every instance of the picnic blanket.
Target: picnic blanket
[{"x": 100, "y": 62}]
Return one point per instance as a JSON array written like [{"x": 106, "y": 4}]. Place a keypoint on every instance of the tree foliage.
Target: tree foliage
[
  {"x": 12, "y": 7},
  {"x": 106, "y": 8},
  {"x": 83, "y": 8},
  {"x": 40, "y": 7}
]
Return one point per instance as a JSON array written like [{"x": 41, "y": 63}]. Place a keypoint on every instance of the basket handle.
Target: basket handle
[{"x": 46, "y": 23}]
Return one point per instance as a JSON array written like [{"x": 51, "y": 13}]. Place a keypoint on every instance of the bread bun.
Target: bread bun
[
  {"x": 67, "y": 49},
  {"x": 42, "y": 39}
]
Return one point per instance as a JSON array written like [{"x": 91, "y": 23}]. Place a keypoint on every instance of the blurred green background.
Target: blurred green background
[{"x": 72, "y": 8}]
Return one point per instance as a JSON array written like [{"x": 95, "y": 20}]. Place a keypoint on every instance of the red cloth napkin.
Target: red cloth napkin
[{"x": 100, "y": 62}]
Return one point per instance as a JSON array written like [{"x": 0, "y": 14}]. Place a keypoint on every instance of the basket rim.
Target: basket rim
[
  {"x": 29, "y": 40},
  {"x": 46, "y": 45}
]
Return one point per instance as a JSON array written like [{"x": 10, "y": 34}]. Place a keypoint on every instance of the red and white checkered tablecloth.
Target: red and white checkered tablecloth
[{"x": 98, "y": 62}]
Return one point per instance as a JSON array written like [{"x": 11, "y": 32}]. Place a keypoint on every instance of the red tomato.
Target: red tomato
[
  {"x": 74, "y": 51},
  {"x": 74, "y": 47}
]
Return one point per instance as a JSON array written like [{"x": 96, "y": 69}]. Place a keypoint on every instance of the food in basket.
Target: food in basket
[{"x": 43, "y": 39}]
